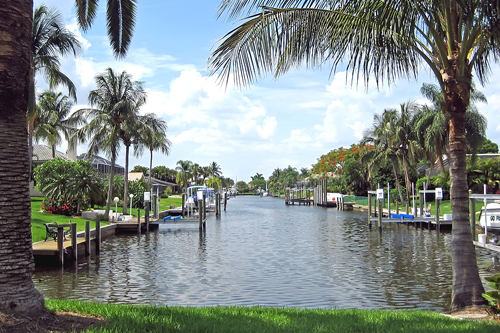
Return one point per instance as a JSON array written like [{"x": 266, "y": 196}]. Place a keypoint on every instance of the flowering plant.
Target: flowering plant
[{"x": 59, "y": 206}]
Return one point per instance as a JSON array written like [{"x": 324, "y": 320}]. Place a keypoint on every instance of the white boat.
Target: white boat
[
  {"x": 266, "y": 192},
  {"x": 490, "y": 217}
]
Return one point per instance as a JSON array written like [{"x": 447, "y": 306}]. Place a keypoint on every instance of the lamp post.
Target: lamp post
[
  {"x": 131, "y": 195},
  {"x": 116, "y": 207}
]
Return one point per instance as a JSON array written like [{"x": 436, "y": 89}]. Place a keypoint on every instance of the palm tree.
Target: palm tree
[
  {"x": 115, "y": 101},
  {"x": 53, "y": 110},
  {"x": 183, "y": 172},
  {"x": 432, "y": 125},
  {"x": 379, "y": 135},
  {"x": 195, "y": 171},
  {"x": 384, "y": 40},
  {"x": 215, "y": 170},
  {"x": 205, "y": 173},
  {"x": 154, "y": 138},
  {"x": 17, "y": 291},
  {"x": 50, "y": 40}
]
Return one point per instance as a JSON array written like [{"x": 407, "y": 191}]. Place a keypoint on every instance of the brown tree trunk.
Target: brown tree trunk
[
  {"x": 396, "y": 177},
  {"x": 125, "y": 186},
  {"x": 17, "y": 291},
  {"x": 110, "y": 189},
  {"x": 467, "y": 287}
]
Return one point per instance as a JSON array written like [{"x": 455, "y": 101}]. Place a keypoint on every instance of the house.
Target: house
[
  {"x": 102, "y": 165},
  {"x": 158, "y": 185}
]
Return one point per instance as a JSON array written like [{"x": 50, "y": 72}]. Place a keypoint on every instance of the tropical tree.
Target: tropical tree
[
  {"x": 257, "y": 176},
  {"x": 183, "y": 169},
  {"x": 432, "y": 125},
  {"x": 53, "y": 111},
  {"x": 153, "y": 137},
  {"x": 214, "y": 182},
  {"x": 17, "y": 291},
  {"x": 205, "y": 173},
  {"x": 385, "y": 41},
  {"x": 195, "y": 171},
  {"x": 131, "y": 130},
  {"x": 215, "y": 170},
  {"x": 140, "y": 168},
  {"x": 50, "y": 40},
  {"x": 112, "y": 103}
]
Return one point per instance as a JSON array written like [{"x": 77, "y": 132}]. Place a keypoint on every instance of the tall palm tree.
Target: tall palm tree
[
  {"x": 195, "y": 172},
  {"x": 183, "y": 172},
  {"x": 154, "y": 137},
  {"x": 17, "y": 291},
  {"x": 113, "y": 103},
  {"x": 50, "y": 40},
  {"x": 379, "y": 135},
  {"x": 432, "y": 125},
  {"x": 53, "y": 111},
  {"x": 215, "y": 170},
  {"x": 385, "y": 40},
  {"x": 205, "y": 173}
]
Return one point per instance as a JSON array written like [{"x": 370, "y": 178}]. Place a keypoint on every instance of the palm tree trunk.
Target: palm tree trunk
[
  {"x": 407, "y": 178},
  {"x": 125, "y": 186},
  {"x": 17, "y": 291},
  {"x": 467, "y": 287},
  {"x": 398, "y": 185},
  {"x": 110, "y": 189},
  {"x": 150, "y": 164}
]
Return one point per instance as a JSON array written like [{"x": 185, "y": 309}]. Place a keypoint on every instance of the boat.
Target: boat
[
  {"x": 266, "y": 192},
  {"x": 490, "y": 217}
]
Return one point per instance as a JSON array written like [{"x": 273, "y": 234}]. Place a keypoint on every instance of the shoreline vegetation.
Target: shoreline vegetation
[{"x": 140, "y": 318}]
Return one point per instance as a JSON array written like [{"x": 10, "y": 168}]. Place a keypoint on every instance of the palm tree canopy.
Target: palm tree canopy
[
  {"x": 387, "y": 39},
  {"x": 51, "y": 39},
  {"x": 53, "y": 111},
  {"x": 120, "y": 18}
]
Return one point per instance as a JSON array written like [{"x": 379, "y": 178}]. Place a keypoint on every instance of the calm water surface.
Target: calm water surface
[{"x": 262, "y": 252}]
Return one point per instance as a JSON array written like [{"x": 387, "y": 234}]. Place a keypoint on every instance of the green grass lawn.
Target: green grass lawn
[{"x": 133, "y": 318}]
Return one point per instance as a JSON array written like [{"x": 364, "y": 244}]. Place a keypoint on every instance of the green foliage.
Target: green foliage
[
  {"x": 140, "y": 168},
  {"x": 68, "y": 183},
  {"x": 493, "y": 296},
  {"x": 258, "y": 183},
  {"x": 430, "y": 185},
  {"x": 488, "y": 147},
  {"x": 137, "y": 188}
]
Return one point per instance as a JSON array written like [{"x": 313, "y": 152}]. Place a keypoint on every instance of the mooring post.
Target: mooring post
[
  {"x": 421, "y": 202},
  {"x": 472, "y": 218},
  {"x": 204, "y": 213},
  {"x": 87, "y": 238},
  {"x": 438, "y": 226},
  {"x": 74, "y": 242},
  {"x": 139, "y": 221},
  {"x": 369, "y": 210},
  {"x": 97, "y": 236},
  {"x": 60, "y": 245},
  {"x": 146, "y": 211},
  {"x": 200, "y": 217},
  {"x": 183, "y": 203},
  {"x": 380, "y": 215}
]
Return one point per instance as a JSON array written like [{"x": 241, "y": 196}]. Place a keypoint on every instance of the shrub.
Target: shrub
[
  {"x": 493, "y": 296},
  {"x": 59, "y": 206}
]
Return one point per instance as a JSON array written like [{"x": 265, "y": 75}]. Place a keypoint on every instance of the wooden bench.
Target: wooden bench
[{"x": 51, "y": 229}]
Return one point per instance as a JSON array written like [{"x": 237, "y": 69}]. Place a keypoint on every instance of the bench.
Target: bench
[{"x": 51, "y": 229}]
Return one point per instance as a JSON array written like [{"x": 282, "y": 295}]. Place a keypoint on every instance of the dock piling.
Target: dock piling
[
  {"x": 97, "y": 236},
  {"x": 74, "y": 243},
  {"x": 60, "y": 245},
  {"x": 87, "y": 238}
]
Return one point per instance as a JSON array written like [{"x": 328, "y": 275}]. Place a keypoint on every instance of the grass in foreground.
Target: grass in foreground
[{"x": 130, "y": 318}]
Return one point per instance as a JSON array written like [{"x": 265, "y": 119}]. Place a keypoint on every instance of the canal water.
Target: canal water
[{"x": 262, "y": 252}]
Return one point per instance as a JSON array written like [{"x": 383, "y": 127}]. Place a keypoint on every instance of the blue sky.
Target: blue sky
[{"x": 289, "y": 121}]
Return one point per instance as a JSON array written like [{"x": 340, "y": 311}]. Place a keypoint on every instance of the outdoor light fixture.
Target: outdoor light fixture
[
  {"x": 131, "y": 196},
  {"x": 116, "y": 207}
]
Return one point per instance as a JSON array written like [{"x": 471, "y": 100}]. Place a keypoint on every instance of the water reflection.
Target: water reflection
[{"x": 263, "y": 252}]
